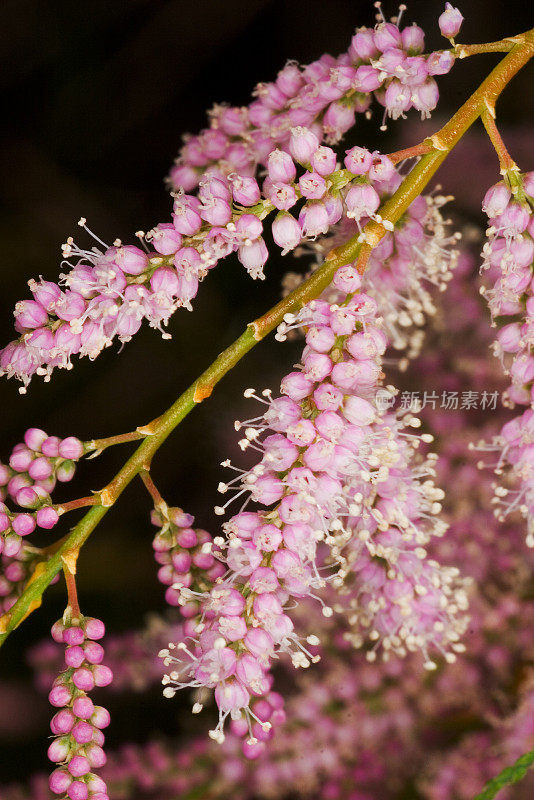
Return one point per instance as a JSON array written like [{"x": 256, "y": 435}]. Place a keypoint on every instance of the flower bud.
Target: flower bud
[
  {"x": 286, "y": 232},
  {"x": 450, "y": 21}
]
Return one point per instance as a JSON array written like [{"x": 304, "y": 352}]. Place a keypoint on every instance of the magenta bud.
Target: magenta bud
[
  {"x": 181, "y": 561},
  {"x": 30, "y": 314},
  {"x": 100, "y": 717},
  {"x": 166, "y": 239},
  {"x": 413, "y": 39},
  {"x": 65, "y": 471},
  {"x": 21, "y": 459},
  {"x": 302, "y": 144},
  {"x": 254, "y": 750},
  {"x": 102, "y": 675},
  {"x": 5, "y": 474},
  {"x": 203, "y": 560},
  {"x": 296, "y": 386},
  {"x": 361, "y": 200},
  {"x": 183, "y": 176},
  {"x": 60, "y": 696},
  {"x": 338, "y": 119},
  {"x": 425, "y": 97},
  {"x": 312, "y": 185},
  {"x": 71, "y": 448},
  {"x": 440, "y": 63},
  {"x": 74, "y": 656},
  {"x": 48, "y": 485},
  {"x": 450, "y": 21},
  {"x": 253, "y": 256},
  {"x": 96, "y": 756},
  {"x": 83, "y": 679},
  {"x": 79, "y": 766},
  {"x": 245, "y": 191},
  {"x": 165, "y": 280},
  {"x": 323, "y": 161},
  {"x": 12, "y": 545},
  {"x": 94, "y": 628},
  {"x": 59, "y": 749},
  {"x": 98, "y": 737},
  {"x": 313, "y": 219},
  {"x": 358, "y": 160},
  {"x": 286, "y": 232},
  {"x": 40, "y": 469},
  {"x": 248, "y": 226},
  {"x": 34, "y": 438},
  {"x": 50, "y": 447},
  {"x": 496, "y": 200},
  {"x": 23, "y": 524},
  {"x": 62, "y": 722},
  {"x": 27, "y": 497},
  {"x": 173, "y": 597},
  {"x": 47, "y": 517},
  {"x": 59, "y": 781},
  {"x": 187, "y": 538},
  {"x": 347, "y": 279},
  {"x": 4, "y": 522},
  {"x": 82, "y": 732},
  {"x": 179, "y": 518},
  {"x": 17, "y": 483},
  {"x": 186, "y": 219},
  {"x": 83, "y": 707},
  {"x": 73, "y": 635},
  {"x": 94, "y": 652},
  {"x": 95, "y": 783},
  {"x": 280, "y": 167},
  {"x": 78, "y": 791},
  {"x": 129, "y": 258}
]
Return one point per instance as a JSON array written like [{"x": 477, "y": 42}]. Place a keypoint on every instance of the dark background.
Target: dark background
[{"x": 95, "y": 99}]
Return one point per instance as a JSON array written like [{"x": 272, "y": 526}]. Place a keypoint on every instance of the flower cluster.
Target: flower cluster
[
  {"x": 14, "y": 574},
  {"x": 185, "y": 555},
  {"x": 509, "y": 260},
  {"x": 78, "y": 724},
  {"x": 131, "y": 655},
  {"x": 411, "y": 261},
  {"x": 106, "y": 293},
  {"x": 386, "y": 63},
  {"x": 34, "y": 467},
  {"x": 349, "y": 495}
]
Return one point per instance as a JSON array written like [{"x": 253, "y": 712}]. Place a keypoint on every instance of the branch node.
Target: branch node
[
  {"x": 5, "y": 619},
  {"x": 256, "y": 330},
  {"x": 437, "y": 144},
  {"x": 106, "y": 498},
  {"x": 69, "y": 560},
  {"x": 146, "y": 430},
  {"x": 202, "y": 392},
  {"x": 374, "y": 236},
  {"x": 490, "y": 108}
]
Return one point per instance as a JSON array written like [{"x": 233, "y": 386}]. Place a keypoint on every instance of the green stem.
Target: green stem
[
  {"x": 152, "y": 489},
  {"x": 100, "y": 444},
  {"x": 70, "y": 580},
  {"x": 502, "y": 46},
  {"x": 505, "y": 160},
  {"x": 359, "y": 247},
  {"x": 512, "y": 774}
]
